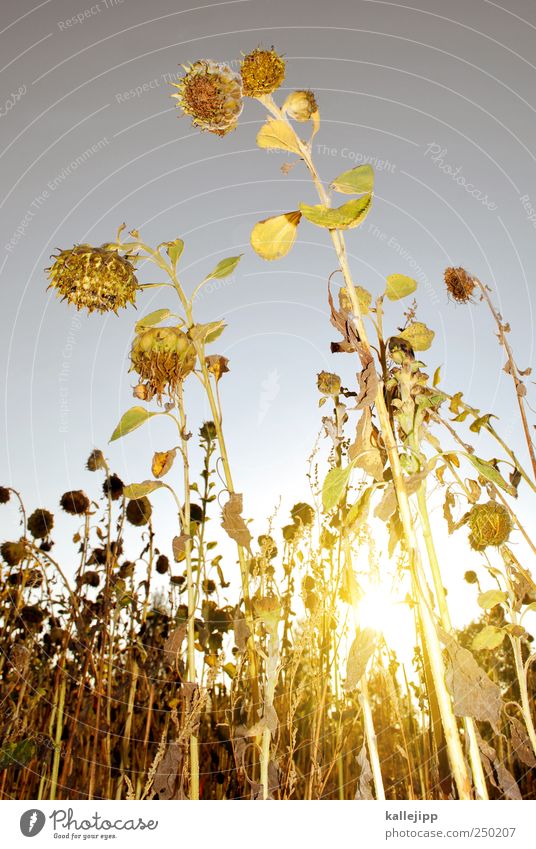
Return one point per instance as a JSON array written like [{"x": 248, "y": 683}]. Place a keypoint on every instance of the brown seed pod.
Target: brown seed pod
[
  {"x": 97, "y": 279},
  {"x": 13, "y": 552},
  {"x": 460, "y": 285},
  {"x": 489, "y": 524},
  {"x": 262, "y": 72},
  {"x": 211, "y": 94},
  {"x": 75, "y": 502},
  {"x": 162, "y": 564},
  {"x": 163, "y": 357},
  {"x": 40, "y": 523},
  {"x": 139, "y": 511},
  {"x": 5, "y": 494}
]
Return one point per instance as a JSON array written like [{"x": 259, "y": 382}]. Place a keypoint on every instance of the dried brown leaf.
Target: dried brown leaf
[
  {"x": 473, "y": 692},
  {"x": 233, "y": 522}
]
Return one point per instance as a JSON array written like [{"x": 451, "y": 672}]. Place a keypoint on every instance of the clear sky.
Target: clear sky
[{"x": 90, "y": 138}]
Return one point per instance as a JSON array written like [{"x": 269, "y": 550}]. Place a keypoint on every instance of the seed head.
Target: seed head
[
  {"x": 113, "y": 486},
  {"x": 490, "y": 524},
  {"x": 162, "y": 564},
  {"x": 212, "y": 95},
  {"x": 75, "y": 502},
  {"x": 5, "y": 494},
  {"x": 300, "y": 105},
  {"x": 460, "y": 284},
  {"x": 328, "y": 383},
  {"x": 95, "y": 461},
  {"x": 262, "y": 72},
  {"x": 93, "y": 278},
  {"x": 139, "y": 511},
  {"x": 163, "y": 357},
  {"x": 303, "y": 513},
  {"x": 13, "y": 552},
  {"x": 40, "y": 523}
]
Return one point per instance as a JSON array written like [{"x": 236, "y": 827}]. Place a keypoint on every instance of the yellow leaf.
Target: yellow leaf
[
  {"x": 419, "y": 336},
  {"x": 278, "y": 135},
  {"x": 162, "y": 462},
  {"x": 348, "y": 215},
  {"x": 274, "y": 237}
]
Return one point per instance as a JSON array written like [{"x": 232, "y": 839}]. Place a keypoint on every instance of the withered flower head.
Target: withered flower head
[
  {"x": 95, "y": 461},
  {"x": 162, "y": 564},
  {"x": 113, "y": 487},
  {"x": 5, "y": 494},
  {"x": 490, "y": 524},
  {"x": 75, "y": 502},
  {"x": 460, "y": 284},
  {"x": 300, "y": 105},
  {"x": 217, "y": 365},
  {"x": 328, "y": 383},
  {"x": 212, "y": 95},
  {"x": 139, "y": 511},
  {"x": 262, "y": 72},
  {"x": 95, "y": 278},
  {"x": 268, "y": 609},
  {"x": 13, "y": 552},
  {"x": 40, "y": 523},
  {"x": 163, "y": 357},
  {"x": 207, "y": 431}
]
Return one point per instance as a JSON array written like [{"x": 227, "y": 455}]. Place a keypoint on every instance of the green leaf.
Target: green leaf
[
  {"x": 174, "y": 250},
  {"x": 482, "y": 421},
  {"x": 488, "y": 471},
  {"x": 207, "y": 333},
  {"x": 419, "y": 336},
  {"x": 358, "y": 512},
  {"x": 138, "y": 490},
  {"x": 224, "y": 268},
  {"x": 273, "y": 238},
  {"x": 356, "y": 181},
  {"x": 399, "y": 286},
  {"x": 488, "y": 638},
  {"x": 348, "y": 215},
  {"x": 131, "y": 420},
  {"x": 491, "y": 598},
  {"x": 334, "y": 486},
  {"x": 278, "y": 135},
  {"x": 152, "y": 319}
]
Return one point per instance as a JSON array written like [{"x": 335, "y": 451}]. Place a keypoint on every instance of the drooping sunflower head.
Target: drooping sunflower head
[
  {"x": 211, "y": 94},
  {"x": 301, "y": 105},
  {"x": 97, "y": 279},
  {"x": 460, "y": 285},
  {"x": 262, "y": 72},
  {"x": 163, "y": 357},
  {"x": 489, "y": 524},
  {"x": 40, "y": 523}
]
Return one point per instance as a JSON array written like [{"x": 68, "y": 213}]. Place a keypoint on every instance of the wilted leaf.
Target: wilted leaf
[
  {"x": 419, "y": 336},
  {"x": 344, "y": 217},
  {"x": 162, "y": 462},
  {"x": 233, "y": 523},
  {"x": 488, "y": 471},
  {"x": 358, "y": 512},
  {"x": 174, "y": 250},
  {"x": 480, "y": 422},
  {"x": 473, "y": 692},
  {"x": 399, "y": 286},
  {"x": 368, "y": 386},
  {"x": 241, "y": 632},
  {"x": 167, "y": 780},
  {"x": 361, "y": 650},
  {"x": 173, "y": 645},
  {"x": 179, "y": 547},
  {"x": 497, "y": 774},
  {"x": 132, "y": 419},
  {"x": 224, "y": 268},
  {"x": 217, "y": 365},
  {"x": 152, "y": 319},
  {"x": 273, "y": 238},
  {"x": 356, "y": 181},
  {"x": 491, "y": 598},
  {"x": 488, "y": 638},
  {"x": 277, "y": 135},
  {"x": 207, "y": 333},
  {"x": 520, "y": 742},
  {"x": 364, "y": 785},
  {"x": 138, "y": 490},
  {"x": 387, "y": 505},
  {"x": 335, "y": 484},
  {"x": 364, "y": 452}
]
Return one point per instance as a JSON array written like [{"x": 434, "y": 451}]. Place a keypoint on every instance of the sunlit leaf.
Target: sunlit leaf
[
  {"x": 361, "y": 650},
  {"x": 131, "y": 420},
  {"x": 224, "y": 268},
  {"x": 152, "y": 319},
  {"x": 488, "y": 471},
  {"x": 174, "y": 250},
  {"x": 356, "y": 181},
  {"x": 233, "y": 522},
  {"x": 138, "y": 490},
  {"x": 491, "y": 598},
  {"x": 278, "y": 135},
  {"x": 206, "y": 333},
  {"x": 344, "y": 217},
  {"x": 399, "y": 286},
  {"x": 162, "y": 462},
  {"x": 335, "y": 484},
  {"x": 488, "y": 638},
  {"x": 419, "y": 336},
  {"x": 274, "y": 237}
]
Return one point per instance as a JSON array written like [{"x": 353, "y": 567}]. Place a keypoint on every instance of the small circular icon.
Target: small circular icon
[{"x": 32, "y": 822}]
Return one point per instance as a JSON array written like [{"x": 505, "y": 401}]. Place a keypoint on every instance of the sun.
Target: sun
[{"x": 387, "y": 612}]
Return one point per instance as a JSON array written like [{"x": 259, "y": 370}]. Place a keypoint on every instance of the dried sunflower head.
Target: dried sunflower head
[
  {"x": 489, "y": 524},
  {"x": 302, "y": 512},
  {"x": 300, "y": 105},
  {"x": 212, "y": 95},
  {"x": 460, "y": 285},
  {"x": 139, "y": 511},
  {"x": 95, "y": 461},
  {"x": 75, "y": 502},
  {"x": 163, "y": 357},
  {"x": 40, "y": 523},
  {"x": 162, "y": 564},
  {"x": 113, "y": 487},
  {"x": 93, "y": 278},
  {"x": 13, "y": 552},
  {"x": 262, "y": 72},
  {"x": 5, "y": 494}
]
